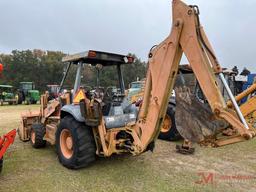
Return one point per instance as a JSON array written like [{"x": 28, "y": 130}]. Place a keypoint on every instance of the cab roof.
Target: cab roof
[{"x": 98, "y": 57}]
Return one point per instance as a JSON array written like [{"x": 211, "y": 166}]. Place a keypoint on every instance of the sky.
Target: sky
[{"x": 125, "y": 26}]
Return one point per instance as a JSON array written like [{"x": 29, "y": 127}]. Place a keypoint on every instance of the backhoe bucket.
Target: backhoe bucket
[{"x": 194, "y": 119}]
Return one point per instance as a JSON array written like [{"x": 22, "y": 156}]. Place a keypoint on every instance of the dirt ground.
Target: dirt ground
[{"x": 230, "y": 168}]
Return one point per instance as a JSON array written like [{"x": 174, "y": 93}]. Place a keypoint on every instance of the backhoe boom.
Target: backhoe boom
[{"x": 188, "y": 37}]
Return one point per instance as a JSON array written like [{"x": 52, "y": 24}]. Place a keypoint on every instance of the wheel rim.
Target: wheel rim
[
  {"x": 167, "y": 124},
  {"x": 66, "y": 143},
  {"x": 33, "y": 136}
]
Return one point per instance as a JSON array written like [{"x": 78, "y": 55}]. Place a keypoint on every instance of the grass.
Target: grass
[{"x": 27, "y": 169}]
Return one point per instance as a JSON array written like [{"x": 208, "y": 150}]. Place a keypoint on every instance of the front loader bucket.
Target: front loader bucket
[
  {"x": 27, "y": 119},
  {"x": 194, "y": 119}
]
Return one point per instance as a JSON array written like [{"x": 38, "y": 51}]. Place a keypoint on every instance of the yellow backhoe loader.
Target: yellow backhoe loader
[{"x": 100, "y": 123}]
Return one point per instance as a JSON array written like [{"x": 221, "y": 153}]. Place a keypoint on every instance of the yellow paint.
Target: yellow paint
[{"x": 79, "y": 96}]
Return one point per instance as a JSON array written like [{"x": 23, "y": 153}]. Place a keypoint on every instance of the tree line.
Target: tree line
[{"x": 45, "y": 67}]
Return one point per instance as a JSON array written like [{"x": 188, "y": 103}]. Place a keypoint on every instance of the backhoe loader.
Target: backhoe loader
[{"x": 97, "y": 125}]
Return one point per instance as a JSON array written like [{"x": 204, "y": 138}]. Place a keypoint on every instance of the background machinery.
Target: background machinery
[
  {"x": 250, "y": 80},
  {"x": 135, "y": 91},
  {"x": 27, "y": 93},
  {"x": 103, "y": 124},
  {"x": 5, "y": 142},
  {"x": 247, "y": 102},
  {"x": 7, "y": 95}
]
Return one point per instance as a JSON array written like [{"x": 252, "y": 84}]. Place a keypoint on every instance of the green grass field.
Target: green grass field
[{"x": 230, "y": 168}]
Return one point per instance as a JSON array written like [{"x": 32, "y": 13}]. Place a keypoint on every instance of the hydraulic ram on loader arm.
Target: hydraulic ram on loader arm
[{"x": 188, "y": 37}]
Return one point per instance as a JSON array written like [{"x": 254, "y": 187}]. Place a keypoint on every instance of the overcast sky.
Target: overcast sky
[{"x": 124, "y": 26}]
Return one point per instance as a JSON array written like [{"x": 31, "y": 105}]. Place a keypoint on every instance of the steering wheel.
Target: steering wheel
[{"x": 108, "y": 92}]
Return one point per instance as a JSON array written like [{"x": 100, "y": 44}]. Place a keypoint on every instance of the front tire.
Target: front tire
[
  {"x": 37, "y": 136},
  {"x": 169, "y": 132},
  {"x": 75, "y": 144}
]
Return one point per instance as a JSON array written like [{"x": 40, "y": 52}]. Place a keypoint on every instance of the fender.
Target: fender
[{"x": 73, "y": 110}]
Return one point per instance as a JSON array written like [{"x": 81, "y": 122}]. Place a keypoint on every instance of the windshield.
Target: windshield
[
  {"x": 107, "y": 76},
  {"x": 27, "y": 86}
]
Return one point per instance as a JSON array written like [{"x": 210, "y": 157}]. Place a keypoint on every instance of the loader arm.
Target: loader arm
[{"x": 187, "y": 36}]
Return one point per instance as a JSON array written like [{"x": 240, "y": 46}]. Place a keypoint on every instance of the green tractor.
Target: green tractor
[
  {"x": 27, "y": 93},
  {"x": 7, "y": 95}
]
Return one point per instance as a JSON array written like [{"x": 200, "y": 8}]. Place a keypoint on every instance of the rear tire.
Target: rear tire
[
  {"x": 1, "y": 164},
  {"x": 75, "y": 144},
  {"x": 37, "y": 136},
  {"x": 172, "y": 134}
]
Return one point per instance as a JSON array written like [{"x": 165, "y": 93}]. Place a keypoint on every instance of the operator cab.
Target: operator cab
[{"x": 115, "y": 108}]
